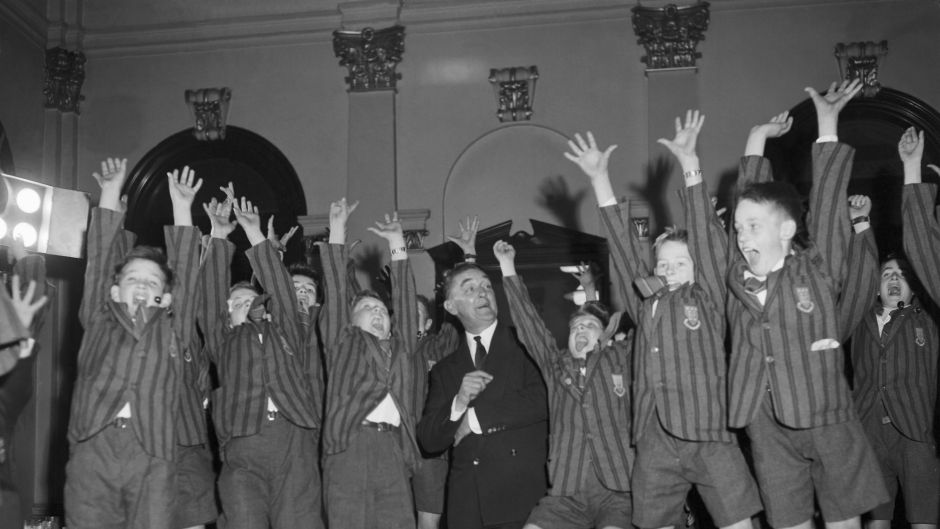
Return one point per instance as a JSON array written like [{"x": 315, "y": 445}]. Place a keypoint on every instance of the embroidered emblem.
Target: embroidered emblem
[
  {"x": 619, "y": 390},
  {"x": 691, "y": 320},
  {"x": 804, "y": 301},
  {"x": 919, "y": 338},
  {"x": 431, "y": 364}
]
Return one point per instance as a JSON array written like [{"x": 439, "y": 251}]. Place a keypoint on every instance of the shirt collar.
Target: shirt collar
[{"x": 486, "y": 336}]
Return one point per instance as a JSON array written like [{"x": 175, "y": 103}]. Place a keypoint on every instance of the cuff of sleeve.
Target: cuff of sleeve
[
  {"x": 473, "y": 422},
  {"x": 608, "y": 202},
  {"x": 859, "y": 227},
  {"x": 826, "y": 138},
  {"x": 457, "y": 411}
]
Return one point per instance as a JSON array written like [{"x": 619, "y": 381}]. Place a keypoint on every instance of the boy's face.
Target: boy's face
[
  {"x": 472, "y": 300},
  {"x": 764, "y": 234},
  {"x": 674, "y": 262},
  {"x": 239, "y": 301},
  {"x": 894, "y": 287},
  {"x": 140, "y": 283},
  {"x": 371, "y": 315},
  {"x": 306, "y": 290},
  {"x": 583, "y": 333}
]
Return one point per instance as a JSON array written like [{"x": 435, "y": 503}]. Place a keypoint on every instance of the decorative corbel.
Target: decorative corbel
[
  {"x": 515, "y": 92},
  {"x": 414, "y": 223},
  {"x": 860, "y": 60},
  {"x": 65, "y": 73},
  {"x": 370, "y": 57},
  {"x": 210, "y": 111},
  {"x": 670, "y": 34}
]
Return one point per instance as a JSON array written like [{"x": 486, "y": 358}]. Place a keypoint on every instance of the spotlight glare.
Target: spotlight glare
[
  {"x": 27, "y": 233},
  {"x": 3, "y": 228},
  {"x": 28, "y": 200}
]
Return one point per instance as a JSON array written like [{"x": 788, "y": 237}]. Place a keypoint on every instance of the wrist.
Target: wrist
[
  {"x": 469, "y": 257},
  {"x": 860, "y": 219},
  {"x": 398, "y": 253}
]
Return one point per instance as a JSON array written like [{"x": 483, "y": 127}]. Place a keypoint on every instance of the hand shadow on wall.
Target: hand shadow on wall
[
  {"x": 370, "y": 261},
  {"x": 658, "y": 173},
  {"x": 555, "y": 196}
]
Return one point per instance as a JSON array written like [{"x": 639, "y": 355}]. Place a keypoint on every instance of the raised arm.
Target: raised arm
[
  {"x": 334, "y": 315},
  {"x": 921, "y": 230},
  {"x": 467, "y": 238},
  {"x": 828, "y": 217},
  {"x": 861, "y": 276},
  {"x": 183, "y": 253},
  {"x": 404, "y": 297},
  {"x": 754, "y": 167},
  {"x": 215, "y": 275}
]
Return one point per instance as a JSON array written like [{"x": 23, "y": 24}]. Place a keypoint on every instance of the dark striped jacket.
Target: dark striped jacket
[
  {"x": 255, "y": 361},
  {"x": 118, "y": 364},
  {"x": 592, "y": 425},
  {"x": 922, "y": 235},
  {"x": 357, "y": 379},
  {"x": 784, "y": 345},
  {"x": 194, "y": 390},
  {"x": 431, "y": 350},
  {"x": 680, "y": 366},
  {"x": 313, "y": 357}
]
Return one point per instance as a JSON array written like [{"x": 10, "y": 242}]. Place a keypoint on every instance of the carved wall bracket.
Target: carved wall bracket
[
  {"x": 670, "y": 34},
  {"x": 515, "y": 92},
  {"x": 414, "y": 223},
  {"x": 65, "y": 73},
  {"x": 860, "y": 60},
  {"x": 370, "y": 56},
  {"x": 210, "y": 111}
]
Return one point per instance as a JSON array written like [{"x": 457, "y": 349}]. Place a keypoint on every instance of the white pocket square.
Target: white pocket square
[{"x": 825, "y": 343}]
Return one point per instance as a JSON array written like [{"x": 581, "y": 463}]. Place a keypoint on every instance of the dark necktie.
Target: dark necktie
[
  {"x": 580, "y": 365},
  {"x": 754, "y": 285},
  {"x": 479, "y": 358}
]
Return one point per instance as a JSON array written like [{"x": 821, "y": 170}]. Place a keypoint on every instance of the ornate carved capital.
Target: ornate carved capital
[
  {"x": 515, "y": 92},
  {"x": 210, "y": 111},
  {"x": 670, "y": 34},
  {"x": 859, "y": 60},
  {"x": 414, "y": 223},
  {"x": 65, "y": 73},
  {"x": 370, "y": 56}
]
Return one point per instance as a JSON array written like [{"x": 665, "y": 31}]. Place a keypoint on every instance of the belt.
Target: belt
[
  {"x": 121, "y": 422},
  {"x": 381, "y": 426}
]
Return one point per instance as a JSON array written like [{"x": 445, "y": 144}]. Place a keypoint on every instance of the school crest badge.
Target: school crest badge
[
  {"x": 691, "y": 321},
  {"x": 804, "y": 302},
  {"x": 919, "y": 337},
  {"x": 617, "y": 379}
]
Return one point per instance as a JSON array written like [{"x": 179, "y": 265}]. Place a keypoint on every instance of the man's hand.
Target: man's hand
[
  {"x": 588, "y": 157},
  {"x": 246, "y": 214},
  {"x": 468, "y": 235},
  {"x": 859, "y": 206},
  {"x": 463, "y": 430},
  {"x": 683, "y": 145},
  {"x": 111, "y": 180},
  {"x": 220, "y": 218},
  {"x": 506, "y": 256},
  {"x": 776, "y": 127},
  {"x": 473, "y": 384},
  {"x": 829, "y": 105},
  {"x": 23, "y": 302},
  {"x": 911, "y": 147}
]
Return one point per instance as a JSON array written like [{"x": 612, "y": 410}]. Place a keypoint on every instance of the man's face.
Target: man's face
[
  {"x": 371, "y": 315},
  {"x": 306, "y": 290},
  {"x": 894, "y": 287},
  {"x": 239, "y": 301},
  {"x": 583, "y": 333},
  {"x": 472, "y": 300},
  {"x": 140, "y": 283},
  {"x": 674, "y": 262},
  {"x": 763, "y": 233}
]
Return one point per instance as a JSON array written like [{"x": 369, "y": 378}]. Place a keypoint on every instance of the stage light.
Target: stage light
[
  {"x": 27, "y": 233},
  {"x": 28, "y": 208},
  {"x": 28, "y": 200}
]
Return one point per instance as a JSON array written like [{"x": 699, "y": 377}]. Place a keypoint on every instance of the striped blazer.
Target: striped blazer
[
  {"x": 791, "y": 344},
  {"x": 255, "y": 361},
  {"x": 589, "y": 425},
  {"x": 680, "y": 367},
  {"x": 358, "y": 374},
  {"x": 118, "y": 363}
]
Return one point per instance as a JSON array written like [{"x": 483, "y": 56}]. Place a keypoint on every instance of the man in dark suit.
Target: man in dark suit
[{"x": 488, "y": 401}]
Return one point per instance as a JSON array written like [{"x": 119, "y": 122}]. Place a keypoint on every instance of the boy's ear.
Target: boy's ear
[
  {"x": 449, "y": 307},
  {"x": 115, "y": 293},
  {"x": 788, "y": 229}
]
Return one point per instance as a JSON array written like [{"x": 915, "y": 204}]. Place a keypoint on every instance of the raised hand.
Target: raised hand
[
  {"x": 23, "y": 303},
  {"x": 391, "y": 231},
  {"x": 504, "y": 252},
  {"x": 467, "y": 239},
  {"x": 17, "y": 250},
  {"x": 280, "y": 243},
  {"x": 220, "y": 217},
  {"x": 247, "y": 216},
  {"x": 776, "y": 127},
  {"x": 683, "y": 145},
  {"x": 911, "y": 146},
  {"x": 182, "y": 187},
  {"x": 588, "y": 157},
  {"x": 832, "y": 102},
  {"x": 859, "y": 206},
  {"x": 585, "y": 276},
  {"x": 339, "y": 215},
  {"x": 111, "y": 180}
]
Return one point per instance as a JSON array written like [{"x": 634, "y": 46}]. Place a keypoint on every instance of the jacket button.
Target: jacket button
[
  {"x": 513, "y": 452},
  {"x": 769, "y": 359},
  {"x": 476, "y": 462}
]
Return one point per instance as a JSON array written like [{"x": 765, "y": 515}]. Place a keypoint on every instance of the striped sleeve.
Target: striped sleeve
[
  {"x": 436, "y": 346},
  {"x": 335, "y": 312},
  {"x": 405, "y": 304},
  {"x": 215, "y": 280},
  {"x": 183, "y": 252},
  {"x": 861, "y": 282},
  {"x": 708, "y": 242},
  {"x": 828, "y": 217},
  {"x": 531, "y": 329},
  {"x": 276, "y": 280},
  {"x": 922, "y": 235},
  {"x": 101, "y": 254},
  {"x": 625, "y": 253},
  {"x": 753, "y": 170}
]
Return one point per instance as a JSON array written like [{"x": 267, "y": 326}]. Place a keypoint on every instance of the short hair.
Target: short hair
[
  {"x": 595, "y": 309},
  {"x": 246, "y": 285},
  {"x": 367, "y": 293},
  {"x": 301, "y": 269},
  {"x": 780, "y": 195},
  {"x": 450, "y": 276},
  {"x": 670, "y": 234},
  {"x": 146, "y": 253}
]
